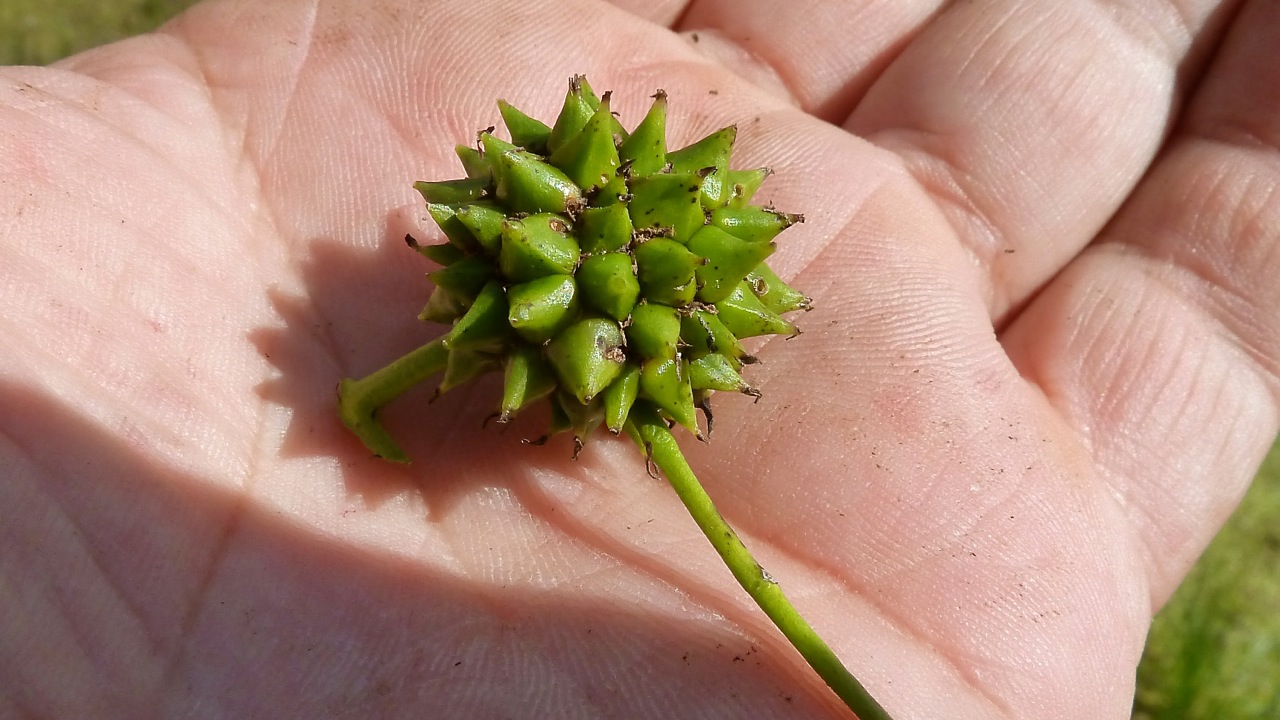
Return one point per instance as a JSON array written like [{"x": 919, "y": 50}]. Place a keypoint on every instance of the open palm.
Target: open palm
[{"x": 1042, "y": 243}]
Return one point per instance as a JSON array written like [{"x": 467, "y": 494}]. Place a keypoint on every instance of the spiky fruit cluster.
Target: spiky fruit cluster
[{"x": 597, "y": 269}]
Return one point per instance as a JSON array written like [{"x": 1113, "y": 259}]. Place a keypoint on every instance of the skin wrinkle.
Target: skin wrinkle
[
  {"x": 1170, "y": 267},
  {"x": 162, "y": 387},
  {"x": 1063, "y": 398},
  {"x": 117, "y": 71},
  {"x": 241, "y": 134},
  {"x": 1237, "y": 133},
  {"x": 117, "y": 590},
  {"x": 223, "y": 204},
  {"x": 1153, "y": 547},
  {"x": 848, "y": 226},
  {"x": 167, "y": 676},
  {"x": 1165, "y": 27},
  {"x": 1254, "y": 219},
  {"x": 1230, "y": 305},
  {"x": 839, "y": 114},
  {"x": 1171, "y": 294},
  {"x": 1118, "y": 396},
  {"x": 1158, "y": 269},
  {"x": 83, "y": 549},
  {"x": 269, "y": 214},
  {"x": 67, "y": 617},
  {"x": 171, "y": 681},
  {"x": 668, "y": 13},
  {"x": 979, "y": 47},
  {"x": 913, "y": 628},
  {"x": 949, "y": 189}
]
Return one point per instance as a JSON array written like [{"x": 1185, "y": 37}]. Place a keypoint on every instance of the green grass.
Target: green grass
[
  {"x": 37, "y": 32},
  {"x": 1214, "y": 651}
]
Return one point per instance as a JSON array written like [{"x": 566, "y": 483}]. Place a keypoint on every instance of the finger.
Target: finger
[
  {"x": 1162, "y": 343},
  {"x": 1029, "y": 124},
  {"x": 822, "y": 55}
]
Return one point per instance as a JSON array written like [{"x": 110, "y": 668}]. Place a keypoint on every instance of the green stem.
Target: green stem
[
  {"x": 360, "y": 400},
  {"x": 655, "y": 437}
]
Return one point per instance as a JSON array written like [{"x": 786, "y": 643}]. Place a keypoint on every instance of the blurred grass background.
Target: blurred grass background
[
  {"x": 1214, "y": 651},
  {"x": 37, "y": 32}
]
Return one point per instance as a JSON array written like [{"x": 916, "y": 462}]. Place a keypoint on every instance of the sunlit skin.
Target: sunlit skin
[{"x": 1041, "y": 241}]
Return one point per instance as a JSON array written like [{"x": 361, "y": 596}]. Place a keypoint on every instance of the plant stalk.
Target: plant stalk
[
  {"x": 655, "y": 437},
  {"x": 360, "y": 400}
]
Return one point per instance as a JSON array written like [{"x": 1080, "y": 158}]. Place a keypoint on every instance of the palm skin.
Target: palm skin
[{"x": 1042, "y": 244}]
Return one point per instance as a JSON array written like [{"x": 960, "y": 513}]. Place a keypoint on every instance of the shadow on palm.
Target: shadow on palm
[
  {"x": 191, "y": 580},
  {"x": 347, "y": 323}
]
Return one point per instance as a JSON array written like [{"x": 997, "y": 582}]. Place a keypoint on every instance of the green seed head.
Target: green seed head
[{"x": 602, "y": 272}]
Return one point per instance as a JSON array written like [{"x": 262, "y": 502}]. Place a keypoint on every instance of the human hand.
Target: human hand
[{"x": 1042, "y": 368}]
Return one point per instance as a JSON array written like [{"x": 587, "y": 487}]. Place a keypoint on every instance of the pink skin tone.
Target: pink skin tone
[{"x": 1042, "y": 243}]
